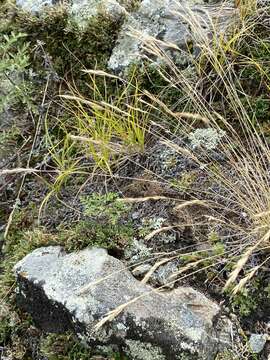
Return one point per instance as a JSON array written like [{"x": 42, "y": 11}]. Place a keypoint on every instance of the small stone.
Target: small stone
[
  {"x": 34, "y": 6},
  {"x": 163, "y": 273},
  {"x": 257, "y": 342},
  {"x": 141, "y": 269},
  {"x": 81, "y": 11}
]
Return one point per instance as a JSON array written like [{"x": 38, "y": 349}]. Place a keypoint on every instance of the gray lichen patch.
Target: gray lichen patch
[
  {"x": 143, "y": 351},
  {"x": 207, "y": 139}
]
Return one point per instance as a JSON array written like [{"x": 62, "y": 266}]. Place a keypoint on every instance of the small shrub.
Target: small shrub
[
  {"x": 107, "y": 207},
  {"x": 14, "y": 62}
]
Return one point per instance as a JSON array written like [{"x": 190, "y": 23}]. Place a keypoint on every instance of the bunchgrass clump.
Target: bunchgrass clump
[
  {"x": 100, "y": 133},
  {"x": 108, "y": 127}
]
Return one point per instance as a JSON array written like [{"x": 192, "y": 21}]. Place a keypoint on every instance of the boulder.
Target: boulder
[
  {"x": 184, "y": 23},
  {"x": 76, "y": 291}
]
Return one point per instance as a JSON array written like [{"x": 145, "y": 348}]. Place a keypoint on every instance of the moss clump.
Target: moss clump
[
  {"x": 67, "y": 347},
  {"x": 69, "y": 49},
  {"x": 90, "y": 233},
  {"x": 63, "y": 347},
  {"x": 185, "y": 182}
]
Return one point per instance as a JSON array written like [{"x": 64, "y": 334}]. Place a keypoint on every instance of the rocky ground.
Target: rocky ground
[{"x": 127, "y": 202}]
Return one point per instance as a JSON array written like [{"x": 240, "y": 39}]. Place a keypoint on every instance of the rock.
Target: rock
[
  {"x": 162, "y": 275},
  {"x": 75, "y": 291},
  {"x": 80, "y": 11},
  {"x": 141, "y": 269},
  {"x": 257, "y": 342},
  {"x": 168, "y": 21},
  {"x": 34, "y": 6}
]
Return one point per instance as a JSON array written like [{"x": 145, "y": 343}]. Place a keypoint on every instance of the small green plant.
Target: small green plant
[
  {"x": 8, "y": 139},
  {"x": 14, "y": 62},
  {"x": 185, "y": 182},
  {"x": 107, "y": 207},
  {"x": 92, "y": 233},
  {"x": 244, "y": 303},
  {"x": 213, "y": 237},
  {"x": 67, "y": 347}
]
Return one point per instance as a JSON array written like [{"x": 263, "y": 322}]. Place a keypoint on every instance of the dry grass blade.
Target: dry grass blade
[
  {"x": 242, "y": 283},
  {"x": 180, "y": 150},
  {"x": 82, "y": 100},
  {"x": 238, "y": 267},
  {"x": 101, "y": 73},
  {"x": 143, "y": 199},
  {"x": 158, "y": 231},
  {"x": 111, "y": 146},
  {"x": 17, "y": 171},
  {"x": 192, "y": 116},
  {"x": 191, "y": 203},
  {"x": 112, "y": 314},
  {"x": 243, "y": 260},
  {"x": 186, "y": 268},
  {"x": 153, "y": 269}
]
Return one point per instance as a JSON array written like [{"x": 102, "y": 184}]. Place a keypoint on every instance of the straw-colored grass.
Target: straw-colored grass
[{"x": 244, "y": 146}]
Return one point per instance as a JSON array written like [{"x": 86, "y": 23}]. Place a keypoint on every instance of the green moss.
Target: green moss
[
  {"x": 108, "y": 207},
  {"x": 69, "y": 48},
  {"x": 67, "y": 347},
  {"x": 14, "y": 64},
  {"x": 63, "y": 347},
  {"x": 91, "y": 233}
]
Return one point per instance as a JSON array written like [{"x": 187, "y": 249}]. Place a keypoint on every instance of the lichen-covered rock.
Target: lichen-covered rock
[
  {"x": 34, "y": 6},
  {"x": 80, "y": 11},
  {"x": 178, "y": 22},
  {"x": 75, "y": 291},
  {"x": 257, "y": 342}
]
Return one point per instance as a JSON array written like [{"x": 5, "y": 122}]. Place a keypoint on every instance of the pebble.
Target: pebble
[{"x": 257, "y": 342}]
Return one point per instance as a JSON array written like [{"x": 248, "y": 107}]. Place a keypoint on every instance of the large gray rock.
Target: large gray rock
[
  {"x": 169, "y": 21},
  {"x": 75, "y": 291}
]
